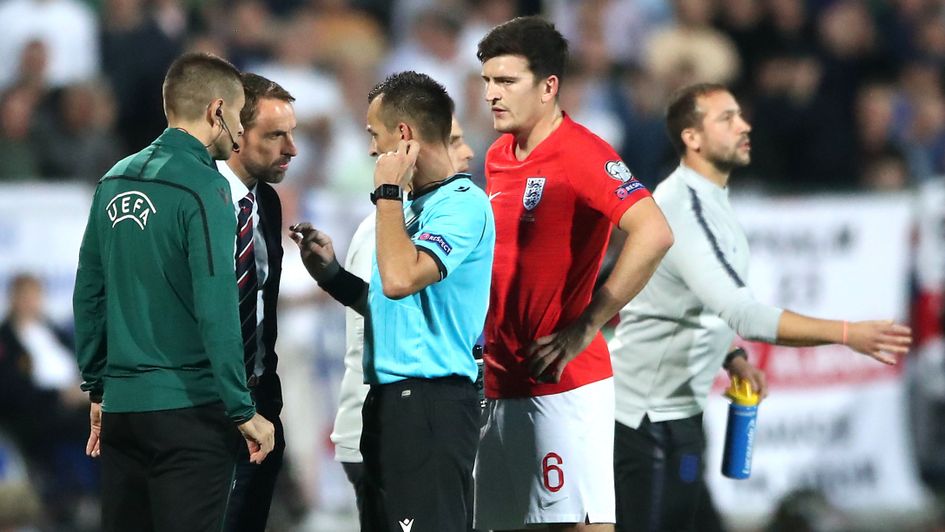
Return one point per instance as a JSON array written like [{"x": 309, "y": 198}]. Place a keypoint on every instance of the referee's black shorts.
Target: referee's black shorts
[{"x": 419, "y": 444}]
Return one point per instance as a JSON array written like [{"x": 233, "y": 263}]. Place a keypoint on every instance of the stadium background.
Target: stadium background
[{"x": 844, "y": 203}]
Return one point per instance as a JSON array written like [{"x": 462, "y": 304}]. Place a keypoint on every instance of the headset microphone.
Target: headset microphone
[{"x": 236, "y": 147}]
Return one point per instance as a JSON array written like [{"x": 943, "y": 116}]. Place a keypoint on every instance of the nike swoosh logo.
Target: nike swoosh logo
[
  {"x": 546, "y": 503},
  {"x": 493, "y": 195}
]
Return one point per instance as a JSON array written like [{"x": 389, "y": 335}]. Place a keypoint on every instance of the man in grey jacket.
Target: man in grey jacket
[{"x": 676, "y": 333}]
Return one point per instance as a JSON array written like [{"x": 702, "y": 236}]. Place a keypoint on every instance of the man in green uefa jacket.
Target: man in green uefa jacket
[{"x": 156, "y": 316}]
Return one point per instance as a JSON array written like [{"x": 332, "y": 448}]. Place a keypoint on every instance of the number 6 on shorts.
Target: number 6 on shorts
[{"x": 550, "y": 465}]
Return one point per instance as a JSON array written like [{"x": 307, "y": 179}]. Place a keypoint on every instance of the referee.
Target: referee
[
  {"x": 424, "y": 309},
  {"x": 674, "y": 336},
  {"x": 156, "y": 322}
]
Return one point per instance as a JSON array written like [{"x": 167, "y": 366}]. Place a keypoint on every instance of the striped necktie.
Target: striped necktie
[{"x": 247, "y": 282}]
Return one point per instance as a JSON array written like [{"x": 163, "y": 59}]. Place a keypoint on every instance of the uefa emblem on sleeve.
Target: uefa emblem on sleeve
[{"x": 533, "y": 189}]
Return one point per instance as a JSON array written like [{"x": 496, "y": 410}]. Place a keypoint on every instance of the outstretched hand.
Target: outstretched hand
[{"x": 882, "y": 339}]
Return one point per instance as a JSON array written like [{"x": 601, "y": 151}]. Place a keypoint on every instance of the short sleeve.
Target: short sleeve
[
  {"x": 452, "y": 228},
  {"x": 604, "y": 182}
]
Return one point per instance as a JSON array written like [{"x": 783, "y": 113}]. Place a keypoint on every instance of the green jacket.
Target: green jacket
[{"x": 156, "y": 313}]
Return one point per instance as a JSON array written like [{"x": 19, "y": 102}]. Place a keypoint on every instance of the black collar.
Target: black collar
[{"x": 436, "y": 185}]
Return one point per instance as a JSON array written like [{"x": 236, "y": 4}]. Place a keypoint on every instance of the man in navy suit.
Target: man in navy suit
[{"x": 261, "y": 159}]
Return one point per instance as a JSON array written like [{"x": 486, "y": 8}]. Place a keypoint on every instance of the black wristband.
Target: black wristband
[
  {"x": 732, "y": 355},
  {"x": 346, "y": 287}
]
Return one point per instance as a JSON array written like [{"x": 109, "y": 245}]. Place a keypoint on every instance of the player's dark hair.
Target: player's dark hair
[
  {"x": 196, "y": 78},
  {"x": 416, "y": 99},
  {"x": 255, "y": 88},
  {"x": 683, "y": 111},
  {"x": 533, "y": 38}
]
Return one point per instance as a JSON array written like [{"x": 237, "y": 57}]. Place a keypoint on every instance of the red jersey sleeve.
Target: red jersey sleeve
[{"x": 603, "y": 181}]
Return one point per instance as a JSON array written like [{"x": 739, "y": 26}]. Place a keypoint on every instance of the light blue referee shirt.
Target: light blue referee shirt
[{"x": 431, "y": 334}]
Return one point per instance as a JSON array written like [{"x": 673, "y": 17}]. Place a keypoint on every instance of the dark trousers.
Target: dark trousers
[
  {"x": 168, "y": 470},
  {"x": 419, "y": 443},
  {"x": 355, "y": 473},
  {"x": 658, "y": 474},
  {"x": 254, "y": 485}
]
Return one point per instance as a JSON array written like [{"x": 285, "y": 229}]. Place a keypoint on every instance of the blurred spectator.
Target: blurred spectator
[
  {"x": 587, "y": 100},
  {"x": 347, "y": 36},
  {"x": 640, "y": 101},
  {"x": 20, "y": 157},
  {"x": 433, "y": 48},
  {"x": 68, "y": 28},
  {"x": 692, "y": 50},
  {"x": 480, "y": 17},
  {"x": 625, "y": 25},
  {"x": 477, "y": 125},
  {"x": 885, "y": 171},
  {"x": 44, "y": 409},
  {"x": 171, "y": 16},
  {"x": 347, "y": 161},
  {"x": 926, "y": 135},
  {"x": 789, "y": 29},
  {"x": 881, "y": 164},
  {"x": 930, "y": 37},
  {"x": 786, "y": 114},
  {"x": 319, "y": 95},
  {"x": 136, "y": 53},
  {"x": 76, "y": 140},
  {"x": 742, "y": 21},
  {"x": 32, "y": 67},
  {"x": 851, "y": 55},
  {"x": 807, "y": 510},
  {"x": 250, "y": 33}
]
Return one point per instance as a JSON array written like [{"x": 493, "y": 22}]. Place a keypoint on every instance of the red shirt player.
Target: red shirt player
[{"x": 546, "y": 452}]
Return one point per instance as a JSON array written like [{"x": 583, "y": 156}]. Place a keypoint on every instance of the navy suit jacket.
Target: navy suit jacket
[{"x": 268, "y": 393}]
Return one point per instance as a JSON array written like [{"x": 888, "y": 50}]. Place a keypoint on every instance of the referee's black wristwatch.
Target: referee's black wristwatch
[
  {"x": 387, "y": 191},
  {"x": 738, "y": 352}
]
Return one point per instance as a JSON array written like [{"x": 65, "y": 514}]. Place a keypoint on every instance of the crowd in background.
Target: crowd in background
[{"x": 842, "y": 95}]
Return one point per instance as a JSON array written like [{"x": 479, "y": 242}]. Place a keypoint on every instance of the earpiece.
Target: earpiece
[{"x": 219, "y": 113}]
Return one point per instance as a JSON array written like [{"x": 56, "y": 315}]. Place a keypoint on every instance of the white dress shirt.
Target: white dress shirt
[{"x": 239, "y": 191}]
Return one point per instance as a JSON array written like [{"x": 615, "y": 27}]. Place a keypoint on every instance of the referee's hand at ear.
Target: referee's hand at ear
[{"x": 260, "y": 437}]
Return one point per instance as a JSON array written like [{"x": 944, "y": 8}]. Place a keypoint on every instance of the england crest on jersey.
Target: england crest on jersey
[{"x": 533, "y": 189}]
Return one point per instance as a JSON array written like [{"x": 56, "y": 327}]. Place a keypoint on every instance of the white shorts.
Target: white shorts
[{"x": 547, "y": 459}]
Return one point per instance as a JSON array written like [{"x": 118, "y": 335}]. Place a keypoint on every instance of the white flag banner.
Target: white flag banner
[{"x": 834, "y": 420}]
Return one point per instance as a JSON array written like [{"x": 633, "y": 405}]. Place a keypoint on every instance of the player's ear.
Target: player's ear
[
  {"x": 550, "y": 87},
  {"x": 406, "y": 132},
  {"x": 691, "y": 138}
]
